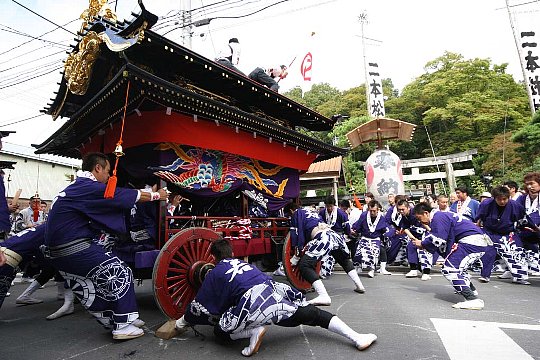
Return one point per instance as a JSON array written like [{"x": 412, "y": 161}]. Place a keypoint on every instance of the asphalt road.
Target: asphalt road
[{"x": 412, "y": 318}]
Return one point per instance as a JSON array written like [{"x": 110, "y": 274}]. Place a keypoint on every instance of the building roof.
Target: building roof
[
  {"x": 165, "y": 76},
  {"x": 323, "y": 174},
  {"x": 28, "y": 152}
]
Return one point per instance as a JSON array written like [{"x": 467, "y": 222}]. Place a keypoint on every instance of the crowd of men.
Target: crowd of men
[
  {"x": 498, "y": 233},
  {"x": 237, "y": 298}
]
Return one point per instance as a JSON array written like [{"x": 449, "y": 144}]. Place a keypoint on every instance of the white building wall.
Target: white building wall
[{"x": 43, "y": 173}]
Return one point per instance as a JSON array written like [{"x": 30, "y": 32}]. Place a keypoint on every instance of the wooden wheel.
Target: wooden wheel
[
  {"x": 292, "y": 272},
  {"x": 180, "y": 269}
]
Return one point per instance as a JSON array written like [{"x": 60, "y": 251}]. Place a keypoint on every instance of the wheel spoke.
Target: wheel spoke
[
  {"x": 187, "y": 251},
  {"x": 184, "y": 259},
  {"x": 174, "y": 267},
  {"x": 186, "y": 297},
  {"x": 176, "y": 277},
  {"x": 183, "y": 265},
  {"x": 179, "y": 293},
  {"x": 177, "y": 284}
]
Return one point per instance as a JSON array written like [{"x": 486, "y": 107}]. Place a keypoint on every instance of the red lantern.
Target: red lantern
[{"x": 36, "y": 204}]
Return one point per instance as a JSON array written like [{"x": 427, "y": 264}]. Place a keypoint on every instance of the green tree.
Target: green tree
[{"x": 463, "y": 104}]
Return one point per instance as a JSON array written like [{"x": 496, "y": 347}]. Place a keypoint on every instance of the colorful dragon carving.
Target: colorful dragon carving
[{"x": 216, "y": 170}]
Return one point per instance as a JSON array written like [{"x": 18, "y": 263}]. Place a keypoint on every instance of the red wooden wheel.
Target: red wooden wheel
[
  {"x": 180, "y": 269},
  {"x": 292, "y": 272}
]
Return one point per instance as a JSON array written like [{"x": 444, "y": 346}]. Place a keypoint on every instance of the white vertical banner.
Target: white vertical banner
[
  {"x": 529, "y": 59},
  {"x": 306, "y": 64},
  {"x": 527, "y": 31},
  {"x": 375, "y": 91},
  {"x": 300, "y": 72}
]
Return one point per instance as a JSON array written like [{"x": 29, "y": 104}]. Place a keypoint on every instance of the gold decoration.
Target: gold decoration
[
  {"x": 96, "y": 8},
  {"x": 78, "y": 68},
  {"x": 139, "y": 32}
]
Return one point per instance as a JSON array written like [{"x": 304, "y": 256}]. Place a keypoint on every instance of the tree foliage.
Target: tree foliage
[{"x": 459, "y": 103}]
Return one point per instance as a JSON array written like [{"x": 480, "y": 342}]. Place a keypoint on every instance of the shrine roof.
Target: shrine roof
[
  {"x": 166, "y": 75},
  {"x": 150, "y": 93}
]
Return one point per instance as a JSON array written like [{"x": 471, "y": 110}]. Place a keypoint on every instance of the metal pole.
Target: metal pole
[
  {"x": 435, "y": 157},
  {"x": 186, "y": 23},
  {"x": 363, "y": 20},
  {"x": 516, "y": 40}
]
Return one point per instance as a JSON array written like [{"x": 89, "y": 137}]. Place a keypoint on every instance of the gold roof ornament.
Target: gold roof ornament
[
  {"x": 78, "y": 68},
  {"x": 96, "y": 8}
]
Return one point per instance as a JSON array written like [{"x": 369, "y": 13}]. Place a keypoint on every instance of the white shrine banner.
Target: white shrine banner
[
  {"x": 376, "y": 96},
  {"x": 305, "y": 61},
  {"x": 527, "y": 36}
]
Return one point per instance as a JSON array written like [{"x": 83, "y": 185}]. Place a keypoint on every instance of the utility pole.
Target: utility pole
[
  {"x": 516, "y": 40},
  {"x": 363, "y": 20},
  {"x": 186, "y": 23}
]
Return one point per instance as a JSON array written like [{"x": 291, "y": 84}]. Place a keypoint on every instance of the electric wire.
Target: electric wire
[
  {"x": 39, "y": 36},
  {"x": 31, "y": 61},
  {"x": 31, "y": 78},
  {"x": 43, "y": 17},
  {"x": 15, "y": 76},
  {"x": 33, "y": 37},
  {"x": 22, "y": 120},
  {"x": 230, "y": 17},
  {"x": 26, "y": 53}
]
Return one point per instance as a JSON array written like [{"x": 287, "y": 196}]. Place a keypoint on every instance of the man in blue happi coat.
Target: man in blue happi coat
[
  {"x": 408, "y": 225},
  {"x": 238, "y": 300},
  {"x": 79, "y": 213},
  {"x": 338, "y": 220},
  {"x": 498, "y": 216},
  {"x": 372, "y": 230},
  {"x": 530, "y": 229},
  {"x": 22, "y": 246},
  {"x": 311, "y": 240},
  {"x": 461, "y": 243}
]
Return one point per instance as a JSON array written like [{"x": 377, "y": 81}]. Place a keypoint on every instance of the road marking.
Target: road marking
[{"x": 473, "y": 340}]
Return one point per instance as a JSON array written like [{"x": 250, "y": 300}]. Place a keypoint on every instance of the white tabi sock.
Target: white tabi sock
[
  {"x": 361, "y": 341},
  {"x": 323, "y": 298},
  {"x": 354, "y": 277},
  {"x": 60, "y": 290},
  {"x": 255, "y": 338},
  {"x": 67, "y": 307},
  {"x": 34, "y": 285}
]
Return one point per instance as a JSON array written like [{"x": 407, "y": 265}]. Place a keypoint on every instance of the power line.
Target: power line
[
  {"x": 9, "y": 30},
  {"x": 225, "y": 17},
  {"x": 40, "y": 36},
  {"x": 222, "y": 7},
  {"x": 31, "y": 61},
  {"x": 255, "y": 12},
  {"x": 34, "y": 77},
  {"x": 26, "y": 53},
  {"x": 271, "y": 16},
  {"x": 213, "y": 4},
  {"x": 14, "y": 76},
  {"x": 44, "y": 18},
  {"x": 18, "y": 121}
]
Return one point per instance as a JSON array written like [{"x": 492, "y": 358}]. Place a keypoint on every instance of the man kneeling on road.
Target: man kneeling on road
[{"x": 238, "y": 300}]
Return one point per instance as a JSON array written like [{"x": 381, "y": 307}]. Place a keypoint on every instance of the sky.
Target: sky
[{"x": 401, "y": 36}]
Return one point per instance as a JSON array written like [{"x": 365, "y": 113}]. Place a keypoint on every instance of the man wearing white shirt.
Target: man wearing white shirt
[{"x": 465, "y": 205}]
